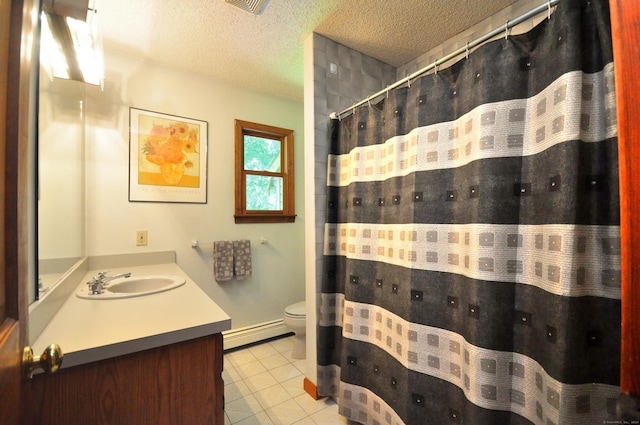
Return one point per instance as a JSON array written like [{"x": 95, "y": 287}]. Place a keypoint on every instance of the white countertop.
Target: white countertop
[{"x": 92, "y": 330}]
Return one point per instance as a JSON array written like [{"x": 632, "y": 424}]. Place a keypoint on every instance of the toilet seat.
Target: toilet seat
[{"x": 296, "y": 310}]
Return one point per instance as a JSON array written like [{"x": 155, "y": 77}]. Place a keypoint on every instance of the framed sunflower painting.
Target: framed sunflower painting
[{"x": 167, "y": 158}]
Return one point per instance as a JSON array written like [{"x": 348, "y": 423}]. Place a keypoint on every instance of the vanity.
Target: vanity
[{"x": 150, "y": 359}]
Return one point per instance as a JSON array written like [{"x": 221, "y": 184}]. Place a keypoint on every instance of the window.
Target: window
[{"x": 264, "y": 175}]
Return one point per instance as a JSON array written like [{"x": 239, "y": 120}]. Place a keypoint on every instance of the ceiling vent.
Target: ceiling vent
[{"x": 252, "y": 6}]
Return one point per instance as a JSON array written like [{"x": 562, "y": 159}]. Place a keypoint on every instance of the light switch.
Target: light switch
[{"x": 141, "y": 238}]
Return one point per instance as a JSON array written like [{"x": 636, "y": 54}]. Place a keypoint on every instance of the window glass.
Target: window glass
[
  {"x": 264, "y": 193},
  {"x": 262, "y": 154}
]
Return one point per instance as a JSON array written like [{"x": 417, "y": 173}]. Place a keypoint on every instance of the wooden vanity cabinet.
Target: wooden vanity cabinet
[{"x": 177, "y": 384}]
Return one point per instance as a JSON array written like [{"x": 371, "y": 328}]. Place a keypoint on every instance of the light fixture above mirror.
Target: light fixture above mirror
[{"x": 71, "y": 43}]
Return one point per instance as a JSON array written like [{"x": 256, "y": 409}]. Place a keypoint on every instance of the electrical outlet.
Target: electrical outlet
[{"x": 141, "y": 238}]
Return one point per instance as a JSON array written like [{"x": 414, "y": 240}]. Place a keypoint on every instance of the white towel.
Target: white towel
[
  {"x": 223, "y": 260},
  {"x": 242, "y": 259}
]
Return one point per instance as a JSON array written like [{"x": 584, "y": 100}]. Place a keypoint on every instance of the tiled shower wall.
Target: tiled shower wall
[
  {"x": 342, "y": 77},
  {"x": 355, "y": 76}
]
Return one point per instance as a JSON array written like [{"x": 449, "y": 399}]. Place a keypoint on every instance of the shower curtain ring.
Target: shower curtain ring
[
  {"x": 467, "y": 50},
  {"x": 548, "y": 9},
  {"x": 369, "y": 101},
  {"x": 435, "y": 67},
  {"x": 409, "y": 83},
  {"x": 507, "y": 30}
]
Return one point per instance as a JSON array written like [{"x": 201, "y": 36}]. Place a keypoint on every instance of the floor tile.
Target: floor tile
[
  {"x": 236, "y": 390},
  {"x": 294, "y": 386},
  {"x": 286, "y": 413},
  {"x": 242, "y": 408},
  {"x": 262, "y": 350},
  {"x": 248, "y": 370},
  {"x": 265, "y": 386},
  {"x": 260, "y": 419},
  {"x": 261, "y": 381},
  {"x": 285, "y": 372},
  {"x": 273, "y": 361},
  {"x": 287, "y": 353},
  {"x": 272, "y": 396},
  {"x": 241, "y": 357},
  {"x": 305, "y": 421}
]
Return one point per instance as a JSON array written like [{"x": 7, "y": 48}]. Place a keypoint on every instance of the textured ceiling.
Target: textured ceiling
[{"x": 265, "y": 52}]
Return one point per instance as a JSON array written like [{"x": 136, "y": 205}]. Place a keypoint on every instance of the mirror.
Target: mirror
[{"x": 60, "y": 209}]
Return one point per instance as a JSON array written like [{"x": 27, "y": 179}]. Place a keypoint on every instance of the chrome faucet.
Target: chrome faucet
[{"x": 97, "y": 284}]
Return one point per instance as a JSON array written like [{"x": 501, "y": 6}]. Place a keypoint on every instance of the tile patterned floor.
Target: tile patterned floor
[{"x": 264, "y": 386}]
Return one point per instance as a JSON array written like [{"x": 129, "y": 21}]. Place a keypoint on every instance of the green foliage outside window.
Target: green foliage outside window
[
  {"x": 263, "y": 192},
  {"x": 261, "y": 154}
]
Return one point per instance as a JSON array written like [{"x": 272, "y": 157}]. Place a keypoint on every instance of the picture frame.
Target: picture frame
[{"x": 167, "y": 158}]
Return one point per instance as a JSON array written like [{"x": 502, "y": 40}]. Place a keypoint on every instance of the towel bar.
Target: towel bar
[{"x": 196, "y": 243}]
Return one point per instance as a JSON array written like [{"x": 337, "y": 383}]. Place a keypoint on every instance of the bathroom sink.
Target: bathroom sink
[{"x": 134, "y": 286}]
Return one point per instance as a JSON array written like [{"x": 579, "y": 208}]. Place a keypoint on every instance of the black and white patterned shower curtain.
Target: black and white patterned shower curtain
[{"x": 472, "y": 247}]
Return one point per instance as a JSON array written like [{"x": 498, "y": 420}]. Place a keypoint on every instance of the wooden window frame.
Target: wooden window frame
[{"x": 287, "y": 214}]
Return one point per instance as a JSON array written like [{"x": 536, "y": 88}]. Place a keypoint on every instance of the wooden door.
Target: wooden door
[
  {"x": 18, "y": 22},
  {"x": 625, "y": 20}
]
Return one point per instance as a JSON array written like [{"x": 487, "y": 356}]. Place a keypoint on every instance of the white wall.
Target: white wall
[{"x": 278, "y": 265}]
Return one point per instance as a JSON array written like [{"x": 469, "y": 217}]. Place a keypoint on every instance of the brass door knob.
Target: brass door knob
[{"x": 49, "y": 361}]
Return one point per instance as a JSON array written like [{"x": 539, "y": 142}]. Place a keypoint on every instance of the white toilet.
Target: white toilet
[{"x": 295, "y": 319}]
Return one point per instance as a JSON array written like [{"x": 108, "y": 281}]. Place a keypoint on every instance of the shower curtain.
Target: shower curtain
[{"x": 471, "y": 270}]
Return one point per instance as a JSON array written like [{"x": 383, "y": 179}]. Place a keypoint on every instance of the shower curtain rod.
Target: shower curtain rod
[{"x": 470, "y": 45}]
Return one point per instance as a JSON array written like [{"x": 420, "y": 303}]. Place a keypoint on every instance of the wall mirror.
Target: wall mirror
[{"x": 60, "y": 207}]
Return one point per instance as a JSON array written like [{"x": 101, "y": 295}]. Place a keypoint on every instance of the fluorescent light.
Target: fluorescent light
[
  {"x": 88, "y": 46},
  {"x": 72, "y": 49},
  {"x": 52, "y": 57}
]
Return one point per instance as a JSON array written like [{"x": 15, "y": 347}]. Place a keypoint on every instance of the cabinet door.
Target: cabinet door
[{"x": 178, "y": 384}]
